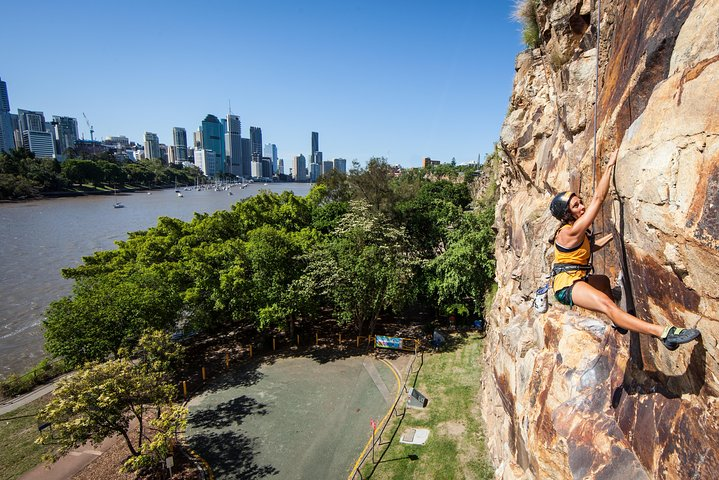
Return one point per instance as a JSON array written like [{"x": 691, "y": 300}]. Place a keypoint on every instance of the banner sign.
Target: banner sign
[{"x": 395, "y": 343}]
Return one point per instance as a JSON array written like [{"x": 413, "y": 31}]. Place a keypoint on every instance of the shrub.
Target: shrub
[{"x": 525, "y": 12}]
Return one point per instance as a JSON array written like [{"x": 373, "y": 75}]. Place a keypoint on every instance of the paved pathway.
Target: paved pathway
[
  {"x": 70, "y": 464},
  {"x": 17, "y": 402}
]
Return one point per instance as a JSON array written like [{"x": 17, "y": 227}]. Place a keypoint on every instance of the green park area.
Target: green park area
[
  {"x": 18, "y": 431},
  {"x": 455, "y": 448}
]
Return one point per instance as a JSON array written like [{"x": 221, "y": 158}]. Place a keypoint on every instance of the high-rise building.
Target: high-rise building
[
  {"x": 233, "y": 145},
  {"x": 213, "y": 138},
  {"x": 315, "y": 146},
  {"x": 207, "y": 161},
  {"x": 34, "y": 134},
  {"x": 281, "y": 166},
  {"x": 65, "y": 134},
  {"x": 246, "y": 158},
  {"x": 266, "y": 167},
  {"x": 256, "y": 141},
  {"x": 315, "y": 171},
  {"x": 340, "y": 164},
  {"x": 270, "y": 151},
  {"x": 327, "y": 167},
  {"x": 197, "y": 139},
  {"x": 152, "y": 146},
  {"x": 7, "y": 132},
  {"x": 299, "y": 168},
  {"x": 179, "y": 141}
]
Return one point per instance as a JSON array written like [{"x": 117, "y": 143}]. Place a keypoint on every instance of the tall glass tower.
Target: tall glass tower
[
  {"x": 233, "y": 145},
  {"x": 7, "y": 138},
  {"x": 213, "y": 138},
  {"x": 256, "y": 141},
  {"x": 179, "y": 140}
]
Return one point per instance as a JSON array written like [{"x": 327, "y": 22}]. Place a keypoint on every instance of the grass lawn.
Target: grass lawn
[
  {"x": 18, "y": 431},
  {"x": 456, "y": 447}
]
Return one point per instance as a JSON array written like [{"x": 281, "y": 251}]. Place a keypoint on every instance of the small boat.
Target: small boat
[
  {"x": 118, "y": 205},
  {"x": 229, "y": 193},
  {"x": 179, "y": 194}
]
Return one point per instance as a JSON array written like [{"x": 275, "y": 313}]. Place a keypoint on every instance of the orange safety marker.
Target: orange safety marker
[{"x": 184, "y": 388}]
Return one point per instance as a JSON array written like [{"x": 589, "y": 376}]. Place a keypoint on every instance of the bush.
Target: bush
[
  {"x": 525, "y": 12},
  {"x": 15, "y": 385}
]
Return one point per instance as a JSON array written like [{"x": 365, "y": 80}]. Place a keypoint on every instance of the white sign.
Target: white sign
[{"x": 170, "y": 462}]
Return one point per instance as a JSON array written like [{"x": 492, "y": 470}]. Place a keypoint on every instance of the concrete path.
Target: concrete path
[
  {"x": 71, "y": 463},
  {"x": 17, "y": 402}
]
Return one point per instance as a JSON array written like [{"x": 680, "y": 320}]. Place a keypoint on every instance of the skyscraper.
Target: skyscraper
[
  {"x": 65, "y": 134},
  {"x": 152, "y": 146},
  {"x": 213, "y": 138},
  {"x": 34, "y": 134},
  {"x": 315, "y": 146},
  {"x": 246, "y": 158},
  {"x": 340, "y": 165},
  {"x": 7, "y": 137},
  {"x": 270, "y": 151},
  {"x": 179, "y": 141},
  {"x": 299, "y": 168},
  {"x": 233, "y": 144},
  {"x": 256, "y": 141}
]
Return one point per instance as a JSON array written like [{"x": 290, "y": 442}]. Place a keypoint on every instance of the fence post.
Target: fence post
[
  {"x": 204, "y": 374},
  {"x": 298, "y": 340},
  {"x": 274, "y": 346},
  {"x": 227, "y": 360},
  {"x": 184, "y": 389},
  {"x": 357, "y": 341},
  {"x": 250, "y": 350},
  {"x": 340, "y": 339},
  {"x": 317, "y": 339}
]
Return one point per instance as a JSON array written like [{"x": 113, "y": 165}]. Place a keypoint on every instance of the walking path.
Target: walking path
[
  {"x": 71, "y": 463},
  {"x": 17, "y": 402}
]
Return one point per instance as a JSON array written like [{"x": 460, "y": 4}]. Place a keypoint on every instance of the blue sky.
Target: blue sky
[{"x": 401, "y": 79}]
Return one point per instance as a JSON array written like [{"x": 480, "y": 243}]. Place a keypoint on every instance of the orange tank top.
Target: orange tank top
[{"x": 577, "y": 255}]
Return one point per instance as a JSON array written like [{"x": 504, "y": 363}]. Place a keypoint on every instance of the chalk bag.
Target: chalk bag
[{"x": 541, "y": 303}]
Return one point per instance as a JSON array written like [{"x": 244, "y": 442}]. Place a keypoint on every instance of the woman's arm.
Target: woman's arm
[
  {"x": 598, "y": 244},
  {"x": 585, "y": 221}
]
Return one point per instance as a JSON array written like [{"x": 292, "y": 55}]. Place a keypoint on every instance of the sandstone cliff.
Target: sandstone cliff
[{"x": 565, "y": 396}]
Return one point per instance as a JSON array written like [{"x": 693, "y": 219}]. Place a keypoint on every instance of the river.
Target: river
[{"x": 40, "y": 237}]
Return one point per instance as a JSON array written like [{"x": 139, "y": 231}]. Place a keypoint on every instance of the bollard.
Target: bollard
[
  {"x": 274, "y": 346},
  {"x": 227, "y": 360},
  {"x": 358, "y": 341},
  {"x": 317, "y": 338},
  {"x": 250, "y": 350},
  {"x": 340, "y": 339},
  {"x": 184, "y": 388},
  {"x": 298, "y": 340},
  {"x": 204, "y": 374}
]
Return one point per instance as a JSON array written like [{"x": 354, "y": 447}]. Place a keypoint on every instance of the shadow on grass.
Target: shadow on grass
[{"x": 231, "y": 455}]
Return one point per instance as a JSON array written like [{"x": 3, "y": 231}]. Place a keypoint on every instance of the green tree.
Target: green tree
[
  {"x": 363, "y": 268},
  {"x": 461, "y": 275},
  {"x": 82, "y": 171},
  {"x": 101, "y": 400}
]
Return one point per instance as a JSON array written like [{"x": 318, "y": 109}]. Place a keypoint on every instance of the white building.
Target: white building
[
  {"x": 207, "y": 160},
  {"x": 299, "y": 167}
]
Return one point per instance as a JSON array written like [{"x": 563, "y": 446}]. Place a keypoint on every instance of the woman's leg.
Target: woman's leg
[{"x": 587, "y": 296}]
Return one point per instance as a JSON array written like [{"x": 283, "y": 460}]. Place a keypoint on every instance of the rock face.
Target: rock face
[{"x": 566, "y": 396}]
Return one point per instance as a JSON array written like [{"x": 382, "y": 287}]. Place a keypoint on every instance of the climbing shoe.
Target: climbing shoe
[
  {"x": 620, "y": 330},
  {"x": 672, "y": 337}
]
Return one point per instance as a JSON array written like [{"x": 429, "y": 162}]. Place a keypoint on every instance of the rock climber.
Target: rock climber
[{"x": 572, "y": 281}]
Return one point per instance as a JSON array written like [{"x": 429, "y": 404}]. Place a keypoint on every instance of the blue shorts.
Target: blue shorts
[{"x": 564, "y": 296}]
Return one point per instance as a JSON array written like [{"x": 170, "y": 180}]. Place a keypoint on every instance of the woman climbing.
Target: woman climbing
[{"x": 571, "y": 279}]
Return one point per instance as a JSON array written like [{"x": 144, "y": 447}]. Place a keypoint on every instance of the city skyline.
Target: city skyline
[{"x": 432, "y": 80}]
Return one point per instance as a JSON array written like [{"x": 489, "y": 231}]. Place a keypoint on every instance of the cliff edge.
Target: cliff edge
[{"x": 565, "y": 396}]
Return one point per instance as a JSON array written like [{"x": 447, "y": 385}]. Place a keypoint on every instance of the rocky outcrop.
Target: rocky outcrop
[{"x": 566, "y": 396}]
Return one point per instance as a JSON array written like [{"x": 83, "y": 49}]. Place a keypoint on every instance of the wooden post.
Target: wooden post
[
  {"x": 298, "y": 340},
  {"x": 274, "y": 346},
  {"x": 204, "y": 374},
  {"x": 227, "y": 360},
  {"x": 357, "y": 341},
  {"x": 184, "y": 388},
  {"x": 340, "y": 338},
  {"x": 250, "y": 350},
  {"x": 317, "y": 338}
]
